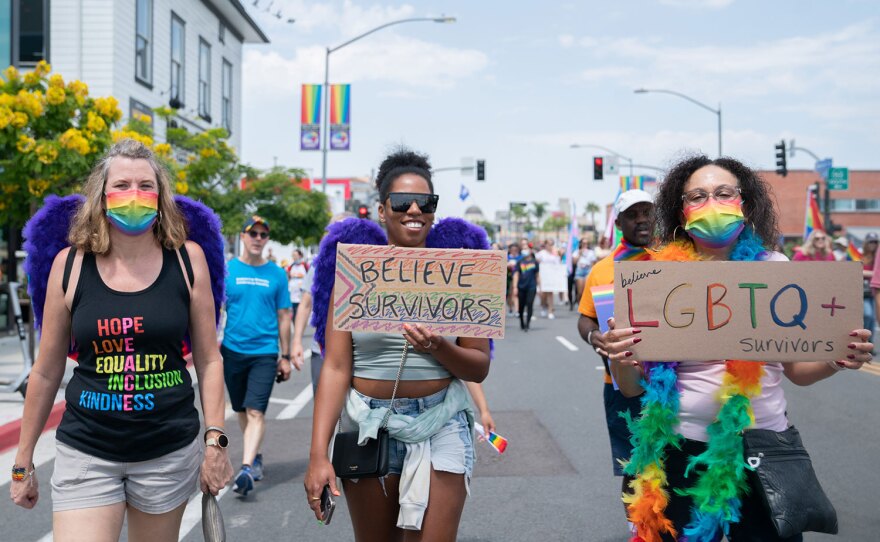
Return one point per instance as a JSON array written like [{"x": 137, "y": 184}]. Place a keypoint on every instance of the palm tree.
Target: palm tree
[
  {"x": 539, "y": 209},
  {"x": 593, "y": 208}
]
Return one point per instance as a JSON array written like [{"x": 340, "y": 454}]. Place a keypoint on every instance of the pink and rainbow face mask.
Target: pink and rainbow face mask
[
  {"x": 715, "y": 224},
  {"x": 132, "y": 211}
]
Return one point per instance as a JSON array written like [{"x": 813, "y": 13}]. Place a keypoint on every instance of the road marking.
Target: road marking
[
  {"x": 600, "y": 367},
  {"x": 291, "y": 410},
  {"x": 193, "y": 514},
  {"x": 871, "y": 368},
  {"x": 566, "y": 343}
]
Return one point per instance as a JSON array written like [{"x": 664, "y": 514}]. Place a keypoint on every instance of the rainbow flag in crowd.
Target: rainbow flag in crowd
[
  {"x": 812, "y": 219},
  {"x": 611, "y": 232},
  {"x": 496, "y": 441},
  {"x": 572, "y": 239},
  {"x": 852, "y": 253},
  {"x": 636, "y": 182}
]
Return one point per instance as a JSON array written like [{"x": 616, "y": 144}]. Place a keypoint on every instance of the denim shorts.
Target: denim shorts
[
  {"x": 155, "y": 486},
  {"x": 452, "y": 447},
  {"x": 249, "y": 379}
]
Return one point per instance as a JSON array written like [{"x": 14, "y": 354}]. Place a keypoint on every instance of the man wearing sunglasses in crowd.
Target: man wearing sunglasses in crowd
[{"x": 256, "y": 342}]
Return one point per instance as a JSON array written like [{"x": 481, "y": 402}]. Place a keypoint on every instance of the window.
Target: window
[
  {"x": 30, "y": 29},
  {"x": 848, "y": 205},
  {"x": 178, "y": 48},
  {"x": 139, "y": 108},
  {"x": 226, "y": 104},
  {"x": 143, "y": 42},
  {"x": 221, "y": 33},
  {"x": 204, "y": 80}
]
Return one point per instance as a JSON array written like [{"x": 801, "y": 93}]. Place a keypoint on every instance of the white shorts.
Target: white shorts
[{"x": 155, "y": 486}]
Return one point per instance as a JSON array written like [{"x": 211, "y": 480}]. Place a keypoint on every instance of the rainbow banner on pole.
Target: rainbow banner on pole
[
  {"x": 813, "y": 219},
  {"x": 340, "y": 117},
  {"x": 636, "y": 182},
  {"x": 310, "y": 118}
]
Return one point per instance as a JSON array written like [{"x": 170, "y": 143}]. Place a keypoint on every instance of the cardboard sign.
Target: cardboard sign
[
  {"x": 759, "y": 311},
  {"x": 554, "y": 277},
  {"x": 453, "y": 292}
]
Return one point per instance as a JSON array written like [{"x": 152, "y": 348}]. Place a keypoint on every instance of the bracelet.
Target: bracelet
[
  {"x": 836, "y": 366},
  {"x": 213, "y": 428},
  {"x": 20, "y": 474}
]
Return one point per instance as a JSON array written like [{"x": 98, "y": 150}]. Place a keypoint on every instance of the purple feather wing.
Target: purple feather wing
[
  {"x": 45, "y": 236},
  {"x": 203, "y": 226},
  {"x": 353, "y": 231}
]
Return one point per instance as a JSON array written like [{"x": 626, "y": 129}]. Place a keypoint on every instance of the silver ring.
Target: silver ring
[{"x": 428, "y": 345}]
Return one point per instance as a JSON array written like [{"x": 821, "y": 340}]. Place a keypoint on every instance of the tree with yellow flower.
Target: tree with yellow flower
[{"x": 51, "y": 133}]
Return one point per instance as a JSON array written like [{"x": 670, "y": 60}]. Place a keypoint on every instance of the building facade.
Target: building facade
[{"x": 186, "y": 54}]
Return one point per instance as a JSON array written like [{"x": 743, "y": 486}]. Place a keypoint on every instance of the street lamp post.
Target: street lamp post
[
  {"x": 693, "y": 101},
  {"x": 325, "y": 124}
]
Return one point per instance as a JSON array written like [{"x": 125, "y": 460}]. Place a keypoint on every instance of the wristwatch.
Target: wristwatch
[
  {"x": 285, "y": 356},
  {"x": 220, "y": 441}
]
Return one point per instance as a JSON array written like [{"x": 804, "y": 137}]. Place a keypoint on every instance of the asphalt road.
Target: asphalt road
[{"x": 554, "y": 482}]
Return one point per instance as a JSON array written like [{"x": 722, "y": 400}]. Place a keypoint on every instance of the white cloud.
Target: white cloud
[
  {"x": 566, "y": 40},
  {"x": 348, "y": 18},
  {"x": 405, "y": 61},
  {"x": 607, "y": 72}
]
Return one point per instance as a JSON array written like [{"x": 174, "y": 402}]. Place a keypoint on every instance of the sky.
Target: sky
[{"x": 517, "y": 83}]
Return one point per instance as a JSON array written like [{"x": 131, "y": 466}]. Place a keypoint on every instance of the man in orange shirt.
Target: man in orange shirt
[{"x": 635, "y": 218}]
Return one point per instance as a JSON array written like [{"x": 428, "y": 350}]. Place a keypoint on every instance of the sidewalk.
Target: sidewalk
[{"x": 12, "y": 402}]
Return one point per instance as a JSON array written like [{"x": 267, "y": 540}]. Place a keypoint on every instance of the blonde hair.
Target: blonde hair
[
  {"x": 809, "y": 250},
  {"x": 89, "y": 230}
]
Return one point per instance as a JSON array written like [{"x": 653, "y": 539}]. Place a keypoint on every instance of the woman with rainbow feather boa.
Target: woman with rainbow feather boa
[{"x": 691, "y": 478}]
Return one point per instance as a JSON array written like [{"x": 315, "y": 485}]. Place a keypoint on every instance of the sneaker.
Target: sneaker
[
  {"x": 244, "y": 482},
  {"x": 551, "y": 316},
  {"x": 257, "y": 468},
  {"x": 543, "y": 313}
]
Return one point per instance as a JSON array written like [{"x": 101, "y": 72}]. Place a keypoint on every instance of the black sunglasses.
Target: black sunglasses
[
  {"x": 260, "y": 234},
  {"x": 402, "y": 201}
]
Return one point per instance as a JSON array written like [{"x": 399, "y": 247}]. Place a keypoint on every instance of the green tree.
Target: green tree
[
  {"x": 490, "y": 228},
  {"x": 592, "y": 208},
  {"x": 539, "y": 209},
  {"x": 51, "y": 132},
  {"x": 520, "y": 217},
  {"x": 556, "y": 224}
]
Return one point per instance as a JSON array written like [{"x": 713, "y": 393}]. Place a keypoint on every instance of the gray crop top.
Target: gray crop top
[{"x": 377, "y": 357}]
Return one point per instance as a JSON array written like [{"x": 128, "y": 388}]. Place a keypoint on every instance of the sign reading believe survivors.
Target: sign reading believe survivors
[
  {"x": 760, "y": 311},
  {"x": 453, "y": 292}
]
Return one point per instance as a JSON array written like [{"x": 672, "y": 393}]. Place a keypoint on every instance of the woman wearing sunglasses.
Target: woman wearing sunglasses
[
  {"x": 359, "y": 373},
  {"x": 708, "y": 210},
  {"x": 816, "y": 248}
]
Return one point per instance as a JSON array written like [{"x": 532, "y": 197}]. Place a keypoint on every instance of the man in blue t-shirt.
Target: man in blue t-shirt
[{"x": 257, "y": 320}]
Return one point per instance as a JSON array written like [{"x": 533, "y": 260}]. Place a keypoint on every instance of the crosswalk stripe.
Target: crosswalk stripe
[{"x": 566, "y": 343}]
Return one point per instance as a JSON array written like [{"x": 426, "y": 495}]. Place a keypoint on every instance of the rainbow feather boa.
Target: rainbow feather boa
[{"x": 716, "y": 493}]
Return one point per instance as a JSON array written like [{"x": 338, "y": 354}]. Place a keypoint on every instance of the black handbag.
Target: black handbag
[
  {"x": 370, "y": 460},
  {"x": 782, "y": 473}
]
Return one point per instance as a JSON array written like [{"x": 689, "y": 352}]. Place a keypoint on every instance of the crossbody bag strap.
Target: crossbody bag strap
[{"x": 403, "y": 357}]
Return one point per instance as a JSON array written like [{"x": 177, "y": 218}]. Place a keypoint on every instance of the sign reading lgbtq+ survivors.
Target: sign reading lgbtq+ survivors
[
  {"x": 759, "y": 311},
  {"x": 453, "y": 292}
]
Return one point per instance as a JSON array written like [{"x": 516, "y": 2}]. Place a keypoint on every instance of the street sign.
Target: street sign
[
  {"x": 822, "y": 167},
  {"x": 611, "y": 168},
  {"x": 838, "y": 178}
]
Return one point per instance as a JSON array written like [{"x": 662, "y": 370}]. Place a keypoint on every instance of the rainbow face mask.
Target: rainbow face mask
[
  {"x": 132, "y": 211},
  {"x": 714, "y": 224}
]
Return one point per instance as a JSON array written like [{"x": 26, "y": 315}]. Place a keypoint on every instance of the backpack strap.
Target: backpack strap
[
  {"x": 68, "y": 267},
  {"x": 187, "y": 264}
]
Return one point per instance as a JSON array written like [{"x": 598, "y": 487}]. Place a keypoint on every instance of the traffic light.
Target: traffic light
[
  {"x": 363, "y": 211},
  {"x": 598, "y": 168},
  {"x": 781, "y": 167},
  {"x": 481, "y": 170}
]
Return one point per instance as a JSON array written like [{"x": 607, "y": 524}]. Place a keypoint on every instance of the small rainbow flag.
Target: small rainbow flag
[
  {"x": 852, "y": 253},
  {"x": 635, "y": 182},
  {"x": 603, "y": 300},
  {"x": 813, "y": 219},
  {"x": 497, "y": 441}
]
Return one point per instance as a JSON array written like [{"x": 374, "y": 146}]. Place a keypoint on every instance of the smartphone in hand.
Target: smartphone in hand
[{"x": 328, "y": 505}]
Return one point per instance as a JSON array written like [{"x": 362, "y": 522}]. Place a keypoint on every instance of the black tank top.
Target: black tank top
[{"x": 131, "y": 397}]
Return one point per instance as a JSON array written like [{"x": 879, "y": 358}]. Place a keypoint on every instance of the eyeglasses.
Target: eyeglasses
[
  {"x": 260, "y": 234},
  {"x": 817, "y": 238},
  {"x": 402, "y": 201},
  {"x": 723, "y": 193}
]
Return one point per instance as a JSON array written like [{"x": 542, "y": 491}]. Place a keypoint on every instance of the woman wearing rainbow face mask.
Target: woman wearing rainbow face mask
[
  {"x": 719, "y": 210},
  {"x": 126, "y": 294}
]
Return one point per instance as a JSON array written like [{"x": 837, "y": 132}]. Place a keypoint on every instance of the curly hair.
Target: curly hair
[
  {"x": 90, "y": 230},
  {"x": 758, "y": 204},
  {"x": 401, "y": 161}
]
